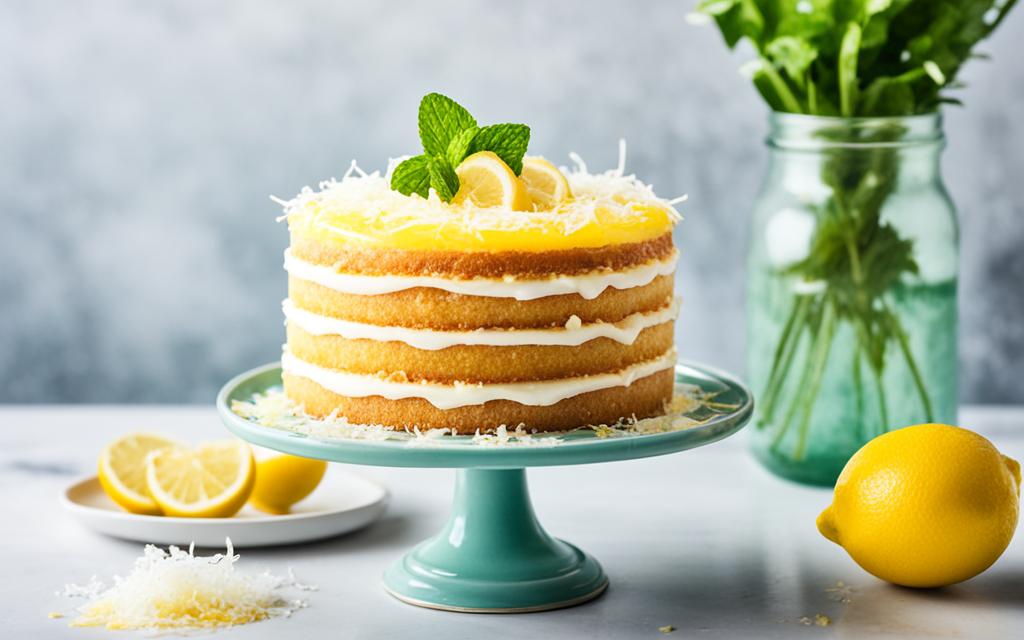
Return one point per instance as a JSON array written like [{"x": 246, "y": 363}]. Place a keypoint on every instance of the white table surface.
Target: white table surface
[{"x": 704, "y": 540}]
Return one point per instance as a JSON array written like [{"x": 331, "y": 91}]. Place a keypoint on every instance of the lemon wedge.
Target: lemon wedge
[
  {"x": 122, "y": 471},
  {"x": 545, "y": 184},
  {"x": 486, "y": 181},
  {"x": 211, "y": 481},
  {"x": 282, "y": 480}
]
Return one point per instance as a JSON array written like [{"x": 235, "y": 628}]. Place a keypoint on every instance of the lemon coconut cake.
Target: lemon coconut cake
[{"x": 472, "y": 289}]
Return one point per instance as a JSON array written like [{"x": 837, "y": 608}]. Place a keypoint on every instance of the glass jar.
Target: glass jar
[{"x": 852, "y": 315}]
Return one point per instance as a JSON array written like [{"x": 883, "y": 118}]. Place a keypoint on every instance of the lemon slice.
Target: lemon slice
[
  {"x": 486, "y": 181},
  {"x": 282, "y": 480},
  {"x": 122, "y": 471},
  {"x": 211, "y": 481},
  {"x": 545, "y": 184}
]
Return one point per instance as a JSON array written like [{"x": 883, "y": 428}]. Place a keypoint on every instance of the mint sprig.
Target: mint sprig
[{"x": 449, "y": 133}]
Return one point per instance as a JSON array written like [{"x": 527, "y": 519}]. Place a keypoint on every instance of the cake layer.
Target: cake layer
[
  {"x": 450, "y": 396},
  {"x": 435, "y": 309},
  {"x": 645, "y": 397},
  {"x": 481, "y": 264},
  {"x": 474, "y": 363},
  {"x": 573, "y": 333},
  {"x": 587, "y": 285}
]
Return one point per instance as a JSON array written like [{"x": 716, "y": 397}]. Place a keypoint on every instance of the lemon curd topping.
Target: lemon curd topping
[{"x": 361, "y": 209}]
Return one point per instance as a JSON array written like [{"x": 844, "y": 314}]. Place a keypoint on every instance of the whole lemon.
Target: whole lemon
[
  {"x": 925, "y": 506},
  {"x": 282, "y": 480}
]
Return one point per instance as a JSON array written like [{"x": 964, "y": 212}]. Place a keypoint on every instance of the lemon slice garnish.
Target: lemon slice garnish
[
  {"x": 122, "y": 471},
  {"x": 282, "y": 480},
  {"x": 211, "y": 481},
  {"x": 545, "y": 184},
  {"x": 486, "y": 181}
]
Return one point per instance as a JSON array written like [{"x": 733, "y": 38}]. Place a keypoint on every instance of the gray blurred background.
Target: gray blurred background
[{"x": 139, "y": 142}]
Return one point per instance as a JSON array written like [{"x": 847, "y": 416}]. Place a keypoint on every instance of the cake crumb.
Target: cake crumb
[
  {"x": 819, "y": 619},
  {"x": 53, "y": 615},
  {"x": 841, "y": 592},
  {"x": 667, "y": 629}
]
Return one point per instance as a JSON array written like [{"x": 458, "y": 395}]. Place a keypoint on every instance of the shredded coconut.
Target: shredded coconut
[
  {"x": 176, "y": 589},
  {"x": 690, "y": 407},
  {"x": 517, "y": 438},
  {"x": 370, "y": 197}
]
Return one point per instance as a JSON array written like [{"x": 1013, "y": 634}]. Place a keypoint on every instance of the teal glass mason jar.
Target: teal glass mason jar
[{"x": 852, "y": 276}]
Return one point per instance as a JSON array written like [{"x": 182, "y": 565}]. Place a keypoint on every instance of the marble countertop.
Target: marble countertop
[{"x": 704, "y": 540}]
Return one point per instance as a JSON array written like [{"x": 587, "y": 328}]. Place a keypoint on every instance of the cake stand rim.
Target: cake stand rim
[{"x": 393, "y": 453}]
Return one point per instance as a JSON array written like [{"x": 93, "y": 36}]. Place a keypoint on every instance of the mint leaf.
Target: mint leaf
[
  {"x": 412, "y": 176},
  {"x": 458, "y": 148},
  {"x": 442, "y": 178},
  {"x": 440, "y": 120},
  {"x": 508, "y": 141}
]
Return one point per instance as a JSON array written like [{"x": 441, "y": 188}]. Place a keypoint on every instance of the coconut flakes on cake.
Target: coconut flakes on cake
[
  {"x": 690, "y": 407},
  {"x": 370, "y": 196}
]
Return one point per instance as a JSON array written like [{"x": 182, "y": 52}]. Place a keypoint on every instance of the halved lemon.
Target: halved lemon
[
  {"x": 486, "y": 181},
  {"x": 282, "y": 480},
  {"x": 545, "y": 184},
  {"x": 122, "y": 471},
  {"x": 211, "y": 481}
]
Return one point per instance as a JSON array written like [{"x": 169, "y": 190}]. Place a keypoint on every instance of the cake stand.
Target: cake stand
[{"x": 493, "y": 556}]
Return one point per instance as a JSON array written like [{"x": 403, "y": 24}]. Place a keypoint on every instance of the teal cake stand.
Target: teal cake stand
[{"x": 493, "y": 556}]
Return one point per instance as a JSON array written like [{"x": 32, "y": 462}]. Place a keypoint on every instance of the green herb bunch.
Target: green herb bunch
[
  {"x": 449, "y": 134},
  {"x": 856, "y": 57},
  {"x": 851, "y": 59}
]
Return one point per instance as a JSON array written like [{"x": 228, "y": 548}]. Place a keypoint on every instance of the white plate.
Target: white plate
[{"x": 343, "y": 502}]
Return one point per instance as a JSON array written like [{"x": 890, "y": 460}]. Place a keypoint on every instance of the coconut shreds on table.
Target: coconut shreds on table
[
  {"x": 176, "y": 589},
  {"x": 690, "y": 407}
]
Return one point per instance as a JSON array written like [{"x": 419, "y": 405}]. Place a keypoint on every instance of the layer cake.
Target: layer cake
[{"x": 414, "y": 312}]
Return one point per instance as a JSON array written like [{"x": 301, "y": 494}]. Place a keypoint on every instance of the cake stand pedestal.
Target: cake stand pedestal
[{"x": 493, "y": 556}]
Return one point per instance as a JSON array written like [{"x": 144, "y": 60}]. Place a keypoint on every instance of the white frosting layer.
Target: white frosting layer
[
  {"x": 573, "y": 335},
  {"x": 588, "y": 285},
  {"x": 543, "y": 393}
]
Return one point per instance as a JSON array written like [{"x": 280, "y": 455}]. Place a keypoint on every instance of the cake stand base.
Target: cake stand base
[{"x": 493, "y": 556}]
